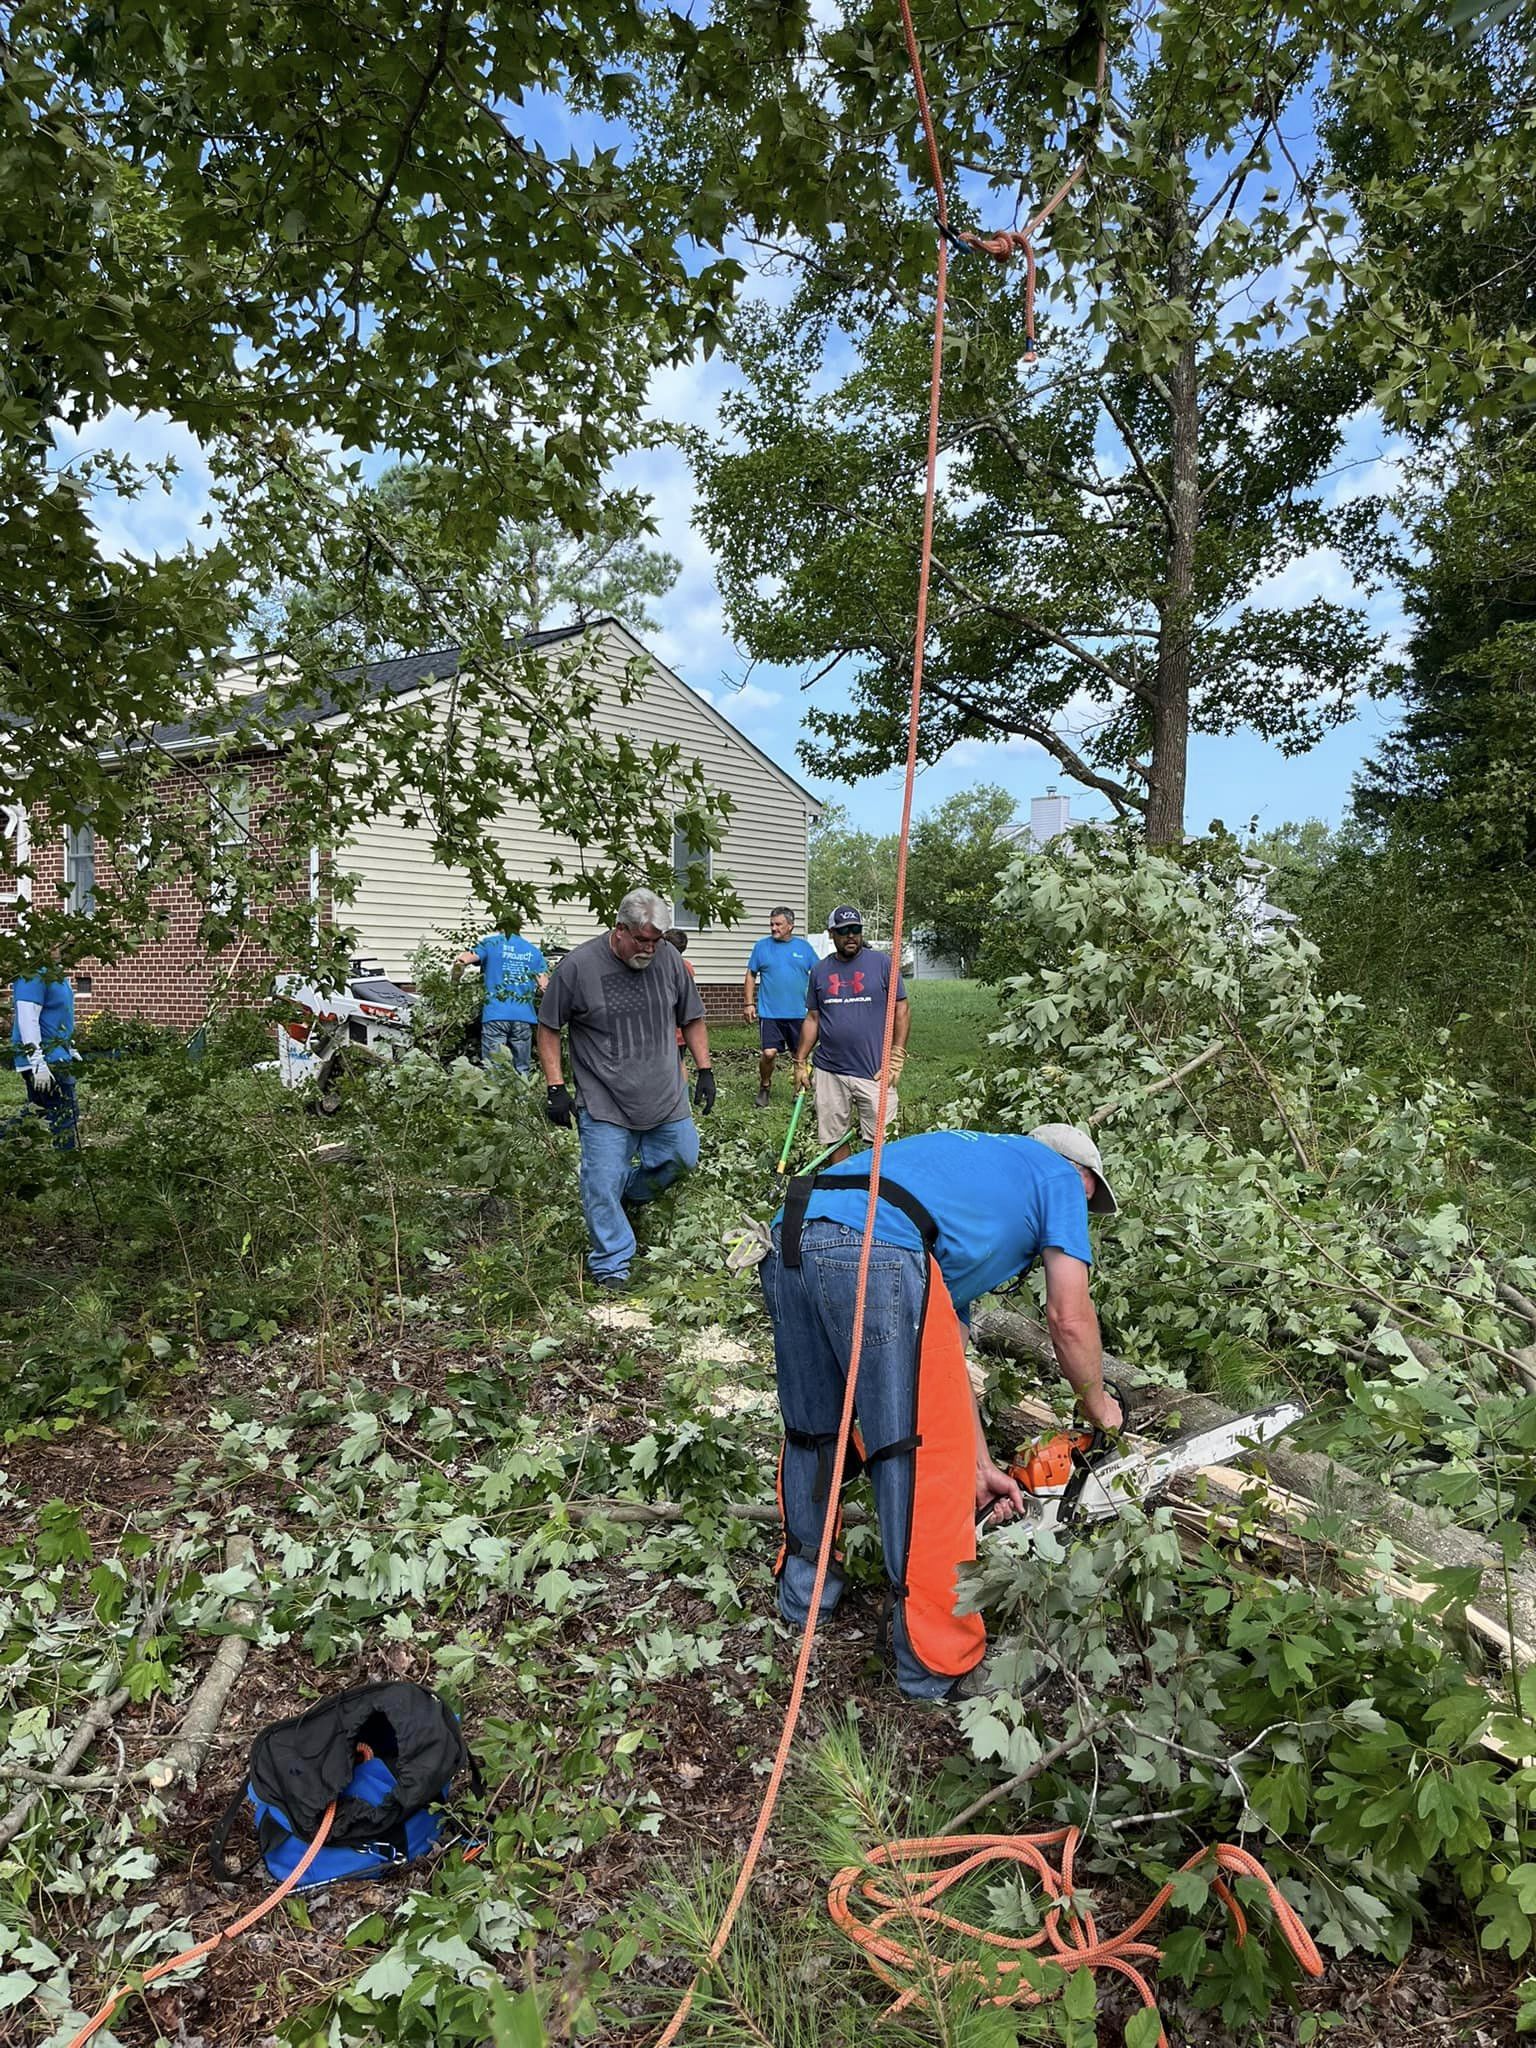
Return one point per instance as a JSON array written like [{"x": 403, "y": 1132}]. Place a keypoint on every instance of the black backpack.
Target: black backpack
[{"x": 386, "y": 1754}]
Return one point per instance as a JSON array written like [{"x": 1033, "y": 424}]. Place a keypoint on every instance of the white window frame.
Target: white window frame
[
  {"x": 16, "y": 815},
  {"x": 79, "y": 843},
  {"x": 684, "y": 861},
  {"x": 229, "y": 832}
]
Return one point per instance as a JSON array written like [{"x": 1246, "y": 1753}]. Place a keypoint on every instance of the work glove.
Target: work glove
[
  {"x": 558, "y": 1106},
  {"x": 42, "y": 1073},
  {"x": 802, "y": 1075},
  {"x": 896, "y": 1062},
  {"x": 704, "y": 1090}
]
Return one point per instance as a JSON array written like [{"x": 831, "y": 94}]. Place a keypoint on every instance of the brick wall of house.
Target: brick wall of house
[
  {"x": 173, "y": 980},
  {"x": 722, "y": 1001}
]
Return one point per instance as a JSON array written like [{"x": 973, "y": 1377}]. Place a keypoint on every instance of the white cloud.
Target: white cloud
[{"x": 163, "y": 517}]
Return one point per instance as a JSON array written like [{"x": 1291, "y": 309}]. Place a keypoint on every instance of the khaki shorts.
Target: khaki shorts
[{"x": 842, "y": 1098}]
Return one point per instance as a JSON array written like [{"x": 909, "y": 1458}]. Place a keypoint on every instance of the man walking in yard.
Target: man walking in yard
[
  {"x": 622, "y": 998},
  {"x": 513, "y": 975},
  {"x": 845, "y": 1029},
  {"x": 960, "y": 1214},
  {"x": 773, "y": 994}
]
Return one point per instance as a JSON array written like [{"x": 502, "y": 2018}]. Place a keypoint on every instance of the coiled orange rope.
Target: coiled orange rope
[
  {"x": 1009, "y": 242},
  {"x": 929, "y": 1865}
]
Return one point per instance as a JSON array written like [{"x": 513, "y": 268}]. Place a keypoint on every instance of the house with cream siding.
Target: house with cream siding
[{"x": 403, "y": 897}]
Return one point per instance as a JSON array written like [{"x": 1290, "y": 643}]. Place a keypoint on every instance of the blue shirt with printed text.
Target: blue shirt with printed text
[
  {"x": 56, "y": 999},
  {"x": 509, "y": 965},
  {"x": 783, "y": 966},
  {"x": 997, "y": 1201},
  {"x": 848, "y": 997}
]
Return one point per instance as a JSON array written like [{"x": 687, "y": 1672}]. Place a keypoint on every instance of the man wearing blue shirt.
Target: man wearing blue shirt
[
  {"x": 960, "y": 1214},
  {"x": 42, "y": 1038},
  {"x": 513, "y": 975},
  {"x": 773, "y": 994}
]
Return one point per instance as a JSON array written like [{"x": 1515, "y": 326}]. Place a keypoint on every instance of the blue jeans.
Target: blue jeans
[
  {"x": 812, "y": 1311},
  {"x": 618, "y": 1166},
  {"x": 515, "y": 1033},
  {"x": 59, "y": 1108}
]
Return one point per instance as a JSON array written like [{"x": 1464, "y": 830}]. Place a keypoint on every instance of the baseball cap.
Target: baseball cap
[
  {"x": 845, "y": 919},
  {"x": 1076, "y": 1145}
]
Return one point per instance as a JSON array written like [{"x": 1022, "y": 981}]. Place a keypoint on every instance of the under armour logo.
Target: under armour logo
[
  {"x": 834, "y": 984},
  {"x": 858, "y": 981}
]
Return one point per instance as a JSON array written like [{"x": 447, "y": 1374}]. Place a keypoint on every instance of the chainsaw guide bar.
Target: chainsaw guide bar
[{"x": 1098, "y": 1489}]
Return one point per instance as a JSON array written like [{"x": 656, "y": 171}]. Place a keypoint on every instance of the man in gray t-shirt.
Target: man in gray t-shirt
[{"x": 622, "y": 999}]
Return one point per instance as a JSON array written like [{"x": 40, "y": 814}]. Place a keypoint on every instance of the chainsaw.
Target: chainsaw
[{"x": 1077, "y": 1475}]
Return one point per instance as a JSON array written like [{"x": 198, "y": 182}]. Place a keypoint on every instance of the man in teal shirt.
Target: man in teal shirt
[
  {"x": 513, "y": 975},
  {"x": 42, "y": 1038},
  {"x": 773, "y": 994}
]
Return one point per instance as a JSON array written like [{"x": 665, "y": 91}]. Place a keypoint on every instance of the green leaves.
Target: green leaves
[
  {"x": 1507, "y": 1914},
  {"x": 276, "y": 236}
]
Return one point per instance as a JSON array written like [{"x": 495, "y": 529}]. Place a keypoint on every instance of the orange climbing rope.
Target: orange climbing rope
[
  {"x": 925, "y": 570},
  {"x": 1009, "y": 242},
  {"x": 100, "y": 2017},
  {"x": 929, "y": 1865}
]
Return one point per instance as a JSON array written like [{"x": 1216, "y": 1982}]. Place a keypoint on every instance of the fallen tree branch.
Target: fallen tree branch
[
  {"x": 50, "y": 1781},
  {"x": 184, "y": 1758},
  {"x": 1042, "y": 1763},
  {"x": 99, "y": 1718},
  {"x": 1323, "y": 1483},
  {"x": 1193, "y": 1066}
]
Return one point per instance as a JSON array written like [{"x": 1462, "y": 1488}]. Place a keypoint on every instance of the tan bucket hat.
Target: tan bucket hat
[{"x": 1076, "y": 1145}]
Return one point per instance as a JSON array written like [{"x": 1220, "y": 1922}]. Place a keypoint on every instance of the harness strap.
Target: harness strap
[
  {"x": 902, "y": 1443},
  {"x": 220, "y": 1835},
  {"x": 823, "y": 1445},
  {"x": 804, "y": 1185}
]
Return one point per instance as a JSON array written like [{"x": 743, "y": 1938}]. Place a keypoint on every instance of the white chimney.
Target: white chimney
[{"x": 1049, "y": 816}]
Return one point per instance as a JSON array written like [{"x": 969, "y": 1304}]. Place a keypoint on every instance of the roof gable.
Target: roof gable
[{"x": 702, "y": 707}]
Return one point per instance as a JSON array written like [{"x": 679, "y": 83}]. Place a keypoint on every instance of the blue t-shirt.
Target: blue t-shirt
[
  {"x": 509, "y": 965},
  {"x": 848, "y": 997},
  {"x": 56, "y": 1000},
  {"x": 783, "y": 967},
  {"x": 997, "y": 1201}
]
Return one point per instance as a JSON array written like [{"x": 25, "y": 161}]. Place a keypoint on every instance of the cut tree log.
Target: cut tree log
[
  {"x": 1323, "y": 1482},
  {"x": 190, "y": 1745}
]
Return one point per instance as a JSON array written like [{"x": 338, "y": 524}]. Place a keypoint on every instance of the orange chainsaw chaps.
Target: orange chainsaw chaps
[{"x": 942, "y": 1536}]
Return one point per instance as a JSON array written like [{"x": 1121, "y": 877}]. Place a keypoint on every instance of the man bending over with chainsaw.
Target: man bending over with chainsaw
[{"x": 960, "y": 1214}]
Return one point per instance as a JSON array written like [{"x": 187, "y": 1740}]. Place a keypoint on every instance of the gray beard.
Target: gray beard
[{"x": 640, "y": 962}]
